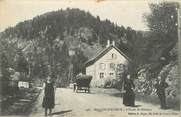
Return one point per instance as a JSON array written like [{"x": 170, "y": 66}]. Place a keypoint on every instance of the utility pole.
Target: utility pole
[
  {"x": 179, "y": 39},
  {"x": 179, "y": 25}
]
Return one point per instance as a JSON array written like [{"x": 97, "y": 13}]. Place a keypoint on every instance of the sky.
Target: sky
[{"x": 121, "y": 12}]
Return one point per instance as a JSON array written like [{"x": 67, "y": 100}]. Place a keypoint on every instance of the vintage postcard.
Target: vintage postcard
[{"x": 90, "y": 58}]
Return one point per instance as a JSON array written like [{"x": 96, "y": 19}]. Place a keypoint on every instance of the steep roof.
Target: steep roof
[{"x": 102, "y": 53}]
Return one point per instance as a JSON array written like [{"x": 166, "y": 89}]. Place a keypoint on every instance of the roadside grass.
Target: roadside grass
[{"x": 20, "y": 104}]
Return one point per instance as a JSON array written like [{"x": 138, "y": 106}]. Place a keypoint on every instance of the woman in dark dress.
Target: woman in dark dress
[
  {"x": 49, "y": 95},
  {"x": 129, "y": 96}
]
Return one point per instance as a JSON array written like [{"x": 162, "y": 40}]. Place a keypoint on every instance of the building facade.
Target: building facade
[{"x": 104, "y": 66}]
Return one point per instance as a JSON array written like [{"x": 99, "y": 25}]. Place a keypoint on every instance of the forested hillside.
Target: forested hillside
[
  {"x": 46, "y": 40},
  {"x": 52, "y": 42}
]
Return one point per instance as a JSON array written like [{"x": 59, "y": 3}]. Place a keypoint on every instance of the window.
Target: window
[
  {"x": 113, "y": 56},
  {"x": 101, "y": 75},
  {"x": 112, "y": 66},
  {"x": 102, "y": 66},
  {"x": 111, "y": 74}
]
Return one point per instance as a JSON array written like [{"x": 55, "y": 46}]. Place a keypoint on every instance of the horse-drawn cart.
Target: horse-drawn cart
[{"x": 83, "y": 82}]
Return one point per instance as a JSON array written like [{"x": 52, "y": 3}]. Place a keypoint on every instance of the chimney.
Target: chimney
[
  {"x": 113, "y": 43},
  {"x": 108, "y": 43}
]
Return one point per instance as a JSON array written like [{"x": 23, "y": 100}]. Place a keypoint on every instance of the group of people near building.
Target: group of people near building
[{"x": 128, "y": 96}]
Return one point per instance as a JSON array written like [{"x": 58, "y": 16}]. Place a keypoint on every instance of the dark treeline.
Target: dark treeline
[{"x": 45, "y": 42}]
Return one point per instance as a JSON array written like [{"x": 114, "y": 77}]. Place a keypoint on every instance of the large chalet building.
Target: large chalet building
[{"x": 104, "y": 66}]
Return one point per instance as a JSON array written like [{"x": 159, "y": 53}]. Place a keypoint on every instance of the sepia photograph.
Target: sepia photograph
[{"x": 90, "y": 58}]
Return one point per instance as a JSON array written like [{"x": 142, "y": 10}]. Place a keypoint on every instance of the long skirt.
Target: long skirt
[
  {"x": 48, "y": 102},
  {"x": 129, "y": 98}
]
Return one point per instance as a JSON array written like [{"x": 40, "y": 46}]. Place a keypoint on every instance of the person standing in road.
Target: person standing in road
[
  {"x": 129, "y": 96},
  {"x": 74, "y": 85},
  {"x": 160, "y": 86},
  {"x": 49, "y": 95}
]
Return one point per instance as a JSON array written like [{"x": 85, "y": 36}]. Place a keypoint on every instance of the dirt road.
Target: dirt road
[{"x": 71, "y": 104}]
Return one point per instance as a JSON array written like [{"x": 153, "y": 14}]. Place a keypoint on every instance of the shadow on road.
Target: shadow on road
[
  {"x": 61, "y": 112},
  {"x": 137, "y": 106},
  {"x": 133, "y": 106},
  {"x": 85, "y": 92}
]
